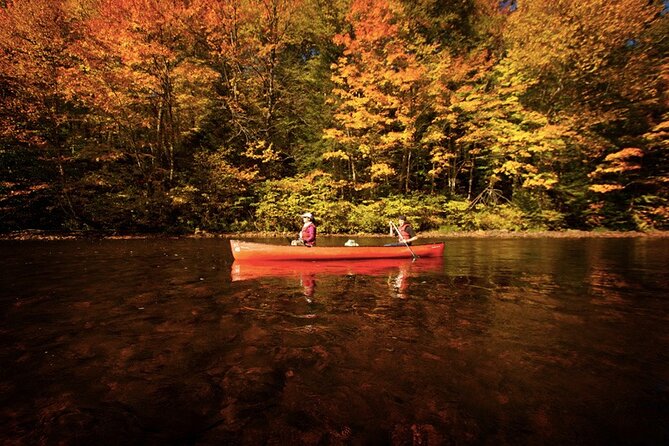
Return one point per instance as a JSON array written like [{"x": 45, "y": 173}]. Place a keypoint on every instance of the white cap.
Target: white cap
[{"x": 308, "y": 215}]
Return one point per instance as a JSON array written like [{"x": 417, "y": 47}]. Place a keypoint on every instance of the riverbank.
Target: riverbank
[{"x": 54, "y": 235}]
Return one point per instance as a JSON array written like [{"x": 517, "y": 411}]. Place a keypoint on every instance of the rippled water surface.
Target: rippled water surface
[{"x": 503, "y": 341}]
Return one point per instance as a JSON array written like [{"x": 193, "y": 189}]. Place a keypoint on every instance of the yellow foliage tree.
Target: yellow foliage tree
[
  {"x": 377, "y": 96},
  {"x": 518, "y": 144}
]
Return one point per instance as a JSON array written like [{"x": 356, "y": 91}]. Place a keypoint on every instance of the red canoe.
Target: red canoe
[{"x": 250, "y": 251}]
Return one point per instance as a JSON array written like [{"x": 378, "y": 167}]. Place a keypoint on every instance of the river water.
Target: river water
[{"x": 503, "y": 341}]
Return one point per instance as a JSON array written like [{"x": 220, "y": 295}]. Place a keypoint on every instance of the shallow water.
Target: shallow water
[{"x": 504, "y": 341}]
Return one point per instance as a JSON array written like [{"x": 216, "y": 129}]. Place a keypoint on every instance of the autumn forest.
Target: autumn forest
[{"x": 239, "y": 115}]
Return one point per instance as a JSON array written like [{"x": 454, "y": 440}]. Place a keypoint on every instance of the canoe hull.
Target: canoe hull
[{"x": 250, "y": 251}]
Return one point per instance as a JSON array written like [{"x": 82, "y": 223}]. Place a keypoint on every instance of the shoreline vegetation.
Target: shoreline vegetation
[{"x": 79, "y": 235}]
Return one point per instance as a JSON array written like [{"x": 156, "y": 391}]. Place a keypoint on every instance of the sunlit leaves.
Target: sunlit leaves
[
  {"x": 336, "y": 154},
  {"x": 380, "y": 171},
  {"x": 520, "y": 144},
  {"x": 605, "y": 188},
  {"x": 614, "y": 166},
  {"x": 33, "y": 47},
  {"x": 377, "y": 90},
  {"x": 573, "y": 38},
  {"x": 262, "y": 151}
]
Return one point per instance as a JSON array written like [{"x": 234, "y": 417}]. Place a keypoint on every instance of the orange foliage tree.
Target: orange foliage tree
[
  {"x": 34, "y": 127},
  {"x": 33, "y": 46},
  {"x": 141, "y": 79}
]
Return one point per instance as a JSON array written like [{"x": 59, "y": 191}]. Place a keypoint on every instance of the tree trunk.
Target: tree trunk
[
  {"x": 408, "y": 171},
  {"x": 471, "y": 180}
]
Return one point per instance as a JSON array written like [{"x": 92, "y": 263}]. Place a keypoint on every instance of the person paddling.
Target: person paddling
[
  {"x": 404, "y": 231},
  {"x": 307, "y": 235}
]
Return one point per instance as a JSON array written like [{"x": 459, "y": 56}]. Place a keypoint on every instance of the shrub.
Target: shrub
[
  {"x": 550, "y": 219},
  {"x": 455, "y": 215},
  {"x": 501, "y": 217},
  {"x": 333, "y": 217},
  {"x": 650, "y": 212},
  {"x": 282, "y": 201}
]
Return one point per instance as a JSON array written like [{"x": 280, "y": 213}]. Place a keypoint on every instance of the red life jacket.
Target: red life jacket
[{"x": 404, "y": 234}]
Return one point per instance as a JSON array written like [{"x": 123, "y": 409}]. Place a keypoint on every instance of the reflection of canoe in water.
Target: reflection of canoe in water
[
  {"x": 242, "y": 270},
  {"x": 250, "y": 251}
]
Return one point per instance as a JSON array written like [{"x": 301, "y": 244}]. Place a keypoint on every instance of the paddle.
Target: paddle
[{"x": 403, "y": 241}]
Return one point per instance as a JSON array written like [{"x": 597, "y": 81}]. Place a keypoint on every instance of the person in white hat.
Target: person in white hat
[{"x": 307, "y": 235}]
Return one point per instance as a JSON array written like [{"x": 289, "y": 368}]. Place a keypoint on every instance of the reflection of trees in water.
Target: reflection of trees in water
[
  {"x": 607, "y": 288},
  {"x": 258, "y": 365},
  {"x": 402, "y": 357},
  {"x": 371, "y": 362}
]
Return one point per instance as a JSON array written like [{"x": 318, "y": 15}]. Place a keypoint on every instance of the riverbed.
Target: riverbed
[{"x": 169, "y": 341}]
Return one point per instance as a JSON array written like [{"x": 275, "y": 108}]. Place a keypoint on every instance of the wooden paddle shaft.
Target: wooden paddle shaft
[{"x": 402, "y": 239}]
